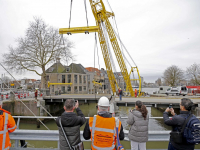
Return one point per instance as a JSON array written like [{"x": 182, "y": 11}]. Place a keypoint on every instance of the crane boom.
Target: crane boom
[{"x": 101, "y": 15}]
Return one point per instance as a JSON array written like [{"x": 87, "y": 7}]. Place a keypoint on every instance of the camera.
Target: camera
[{"x": 170, "y": 106}]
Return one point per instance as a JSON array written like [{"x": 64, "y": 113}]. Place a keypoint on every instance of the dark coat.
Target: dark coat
[
  {"x": 87, "y": 133},
  {"x": 71, "y": 124},
  {"x": 177, "y": 122}
]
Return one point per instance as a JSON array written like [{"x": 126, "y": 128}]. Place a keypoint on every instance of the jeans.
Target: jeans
[
  {"x": 171, "y": 147},
  {"x": 120, "y": 97}
]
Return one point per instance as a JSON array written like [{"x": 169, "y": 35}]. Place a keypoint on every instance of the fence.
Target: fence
[{"x": 53, "y": 135}]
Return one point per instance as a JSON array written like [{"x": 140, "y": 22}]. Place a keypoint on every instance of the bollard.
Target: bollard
[
  {"x": 19, "y": 96},
  {"x": 24, "y": 95},
  {"x": 6, "y": 96}
]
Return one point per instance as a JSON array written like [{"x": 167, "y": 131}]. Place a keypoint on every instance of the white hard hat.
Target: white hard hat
[{"x": 103, "y": 101}]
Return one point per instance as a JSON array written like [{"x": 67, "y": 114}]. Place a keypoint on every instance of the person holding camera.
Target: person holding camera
[
  {"x": 70, "y": 123},
  {"x": 177, "y": 121}
]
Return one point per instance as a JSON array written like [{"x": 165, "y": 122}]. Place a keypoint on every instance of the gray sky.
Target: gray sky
[{"x": 157, "y": 33}]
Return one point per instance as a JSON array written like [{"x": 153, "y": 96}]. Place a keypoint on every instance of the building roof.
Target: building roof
[
  {"x": 91, "y": 69},
  {"x": 72, "y": 68}
]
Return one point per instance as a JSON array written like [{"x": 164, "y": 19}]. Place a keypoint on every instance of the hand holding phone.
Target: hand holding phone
[{"x": 77, "y": 104}]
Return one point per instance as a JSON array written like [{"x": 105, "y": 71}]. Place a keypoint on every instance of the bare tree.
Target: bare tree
[
  {"x": 173, "y": 75},
  {"x": 41, "y": 45},
  {"x": 193, "y": 72}
]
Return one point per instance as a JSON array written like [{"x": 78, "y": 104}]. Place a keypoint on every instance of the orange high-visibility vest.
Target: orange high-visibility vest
[
  {"x": 103, "y": 133},
  {"x": 7, "y": 125}
]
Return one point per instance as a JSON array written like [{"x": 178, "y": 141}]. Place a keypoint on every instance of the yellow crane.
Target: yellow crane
[{"x": 102, "y": 21}]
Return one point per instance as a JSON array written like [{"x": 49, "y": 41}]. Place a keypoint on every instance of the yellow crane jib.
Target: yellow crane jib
[
  {"x": 85, "y": 30},
  {"x": 96, "y": 83},
  {"x": 58, "y": 84}
]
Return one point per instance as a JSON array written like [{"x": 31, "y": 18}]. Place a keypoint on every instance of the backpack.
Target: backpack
[{"x": 192, "y": 130}]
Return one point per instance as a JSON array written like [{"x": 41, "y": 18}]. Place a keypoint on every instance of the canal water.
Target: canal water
[{"x": 91, "y": 110}]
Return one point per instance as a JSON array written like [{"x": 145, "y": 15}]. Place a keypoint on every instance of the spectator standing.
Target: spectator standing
[
  {"x": 7, "y": 125},
  {"x": 120, "y": 94},
  {"x": 135, "y": 92},
  {"x": 138, "y": 118},
  {"x": 71, "y": 124},
  {"x": 36, "y": 94},
  {"x": 101, "y": 128},
  {"x": 177, "y": 122}
]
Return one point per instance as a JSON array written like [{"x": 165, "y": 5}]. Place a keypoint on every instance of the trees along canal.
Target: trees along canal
[
  {"x": 41, "y": 46},
  {"x": 193, "y": 73},
  {"x": 173, "y": 75}
]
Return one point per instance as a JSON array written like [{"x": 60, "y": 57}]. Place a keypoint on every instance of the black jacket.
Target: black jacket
[
  {"x": 71, "y": 124},
  {"x": 177, "y": 122},
  {"x": 71, "y": 119},
  {"x": 87, "y": 133}
]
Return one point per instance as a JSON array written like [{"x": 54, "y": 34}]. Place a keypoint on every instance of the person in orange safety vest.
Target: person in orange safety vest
[
  {"x": 135, "y": 92},
  {"x": 101, "y": 128},
  {"x": 7, "y": 125}
]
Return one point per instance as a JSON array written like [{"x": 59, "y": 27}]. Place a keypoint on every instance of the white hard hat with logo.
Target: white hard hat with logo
[{"x": 103, "y": 101}]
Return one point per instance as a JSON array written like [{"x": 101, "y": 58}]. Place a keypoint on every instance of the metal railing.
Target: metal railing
[{"x": 53, "y": 135}]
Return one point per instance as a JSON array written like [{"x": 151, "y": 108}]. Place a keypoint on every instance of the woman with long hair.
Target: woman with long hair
[{"x": 138, "y": 118}]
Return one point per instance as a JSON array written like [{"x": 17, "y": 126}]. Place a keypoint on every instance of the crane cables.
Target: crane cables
[
  {"x": 23, "y": 102},
  {"x": 86, "y": 12},
  {"x": 119, "y": 37},
  {"x": 125, "y": 48},
  {"x": 70, "y": 13},
  {"x": 97, "y": 50},
  {"x": 108, "y": 46}
]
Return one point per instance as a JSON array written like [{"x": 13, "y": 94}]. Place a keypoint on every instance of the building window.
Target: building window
[
  {"x": 69, "y": 88},
  {"x": 80, "y": 88},
  {"x": 75, "y": 78},
  {"x": 63, "y": 89},
  {"x": 47, "y": 78},
  {"x": 76, "y": 89},
  {"x": 52, "y": 88},
  {"x": 80, "y": 78},
  {"x": 67, "y": 69},
  {"x": 84, "y": 79},
  {"x": 51, "y": 69},
  {"x": 69, "y": 78},
  {"x": 63, "y": 78},
  {"x": 84, "y": 88}
]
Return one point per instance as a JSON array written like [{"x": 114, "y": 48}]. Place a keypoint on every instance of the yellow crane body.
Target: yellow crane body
[
  {"x": 96, "y": 83},
  {"x": 101, "y": 16},
  {"x": 102, "y": 22}
]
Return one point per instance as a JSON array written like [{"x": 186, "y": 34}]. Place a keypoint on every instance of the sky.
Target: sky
[{"x": 157, "y": 33}]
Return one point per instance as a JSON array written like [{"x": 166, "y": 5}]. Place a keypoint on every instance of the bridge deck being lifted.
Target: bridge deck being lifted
[{"x": 126, "y": 101}]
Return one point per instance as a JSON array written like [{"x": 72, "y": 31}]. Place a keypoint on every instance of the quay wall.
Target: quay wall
[{"x": 17, "y": 108}]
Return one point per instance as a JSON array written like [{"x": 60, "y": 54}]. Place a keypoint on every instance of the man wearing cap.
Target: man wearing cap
[
  {"x": 7, "y": 125},
  {"x": 101, "y": 128}
]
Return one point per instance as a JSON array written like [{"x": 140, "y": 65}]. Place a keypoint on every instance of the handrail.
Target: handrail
[{"x": 45, "y": 117}]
